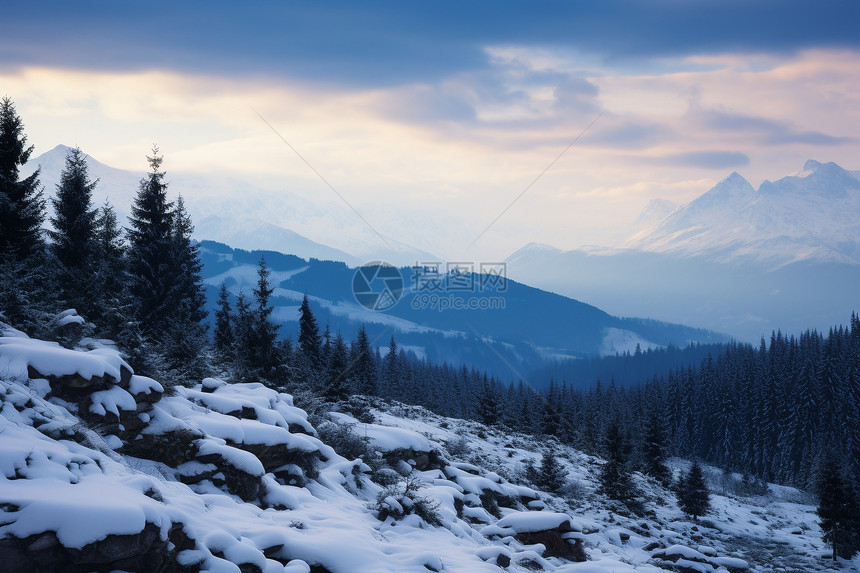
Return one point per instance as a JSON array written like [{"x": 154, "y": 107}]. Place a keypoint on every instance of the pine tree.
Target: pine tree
[
  {"x": 73, "y": 234},
  {"x": 654, "y": 449},
  {"x": 693, "y": 496},
  {"x": 364, "y": 363},
  {"x": 25, "y": 289},
  {"x": 21, "y": 205},
  {"x": 392, "y": 377},
  {"x": 838, "y": 510},
  {"x": 266, "y": 331},
  {"x": 551, "y": 415},
  {"x": 223, "y": 338},
  {"x": 111, "y": 306},
  {"x": 338, "y": 370},
  {"x": 150, "y": 250},
  {"x": 245, "y": 336},
  {"x": 550, "y": 475},
  {"x": 489, "y": 408},
  {"x": 309, "y": 336},
  {"x": 615, "y": 480},
  {"x": 186, "y": 332}
]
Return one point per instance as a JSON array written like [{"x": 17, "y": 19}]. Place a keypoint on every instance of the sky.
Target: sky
[{"x": 553, "y": 122}]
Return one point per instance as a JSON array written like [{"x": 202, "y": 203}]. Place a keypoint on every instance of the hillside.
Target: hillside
[
  {"x": 105, "y": 470},
  {"x": 525, "y": 327}
]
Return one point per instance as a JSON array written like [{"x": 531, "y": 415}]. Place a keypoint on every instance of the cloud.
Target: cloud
[
  {"x": 706, "y": 159},
  {"x": 767, "y": 131},
  {"x": 385, "y": 43}
]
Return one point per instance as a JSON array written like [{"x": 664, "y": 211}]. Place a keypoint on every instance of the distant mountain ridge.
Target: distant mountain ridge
[
  {"x": 245, "y": 216},
  {"x": 736, "y": 259},
  {"x": 531, "y": 327},
  {"x": 813, "y": 215}
]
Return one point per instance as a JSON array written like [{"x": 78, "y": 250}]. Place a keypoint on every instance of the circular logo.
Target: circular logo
[{"x": 377, "y": 285}]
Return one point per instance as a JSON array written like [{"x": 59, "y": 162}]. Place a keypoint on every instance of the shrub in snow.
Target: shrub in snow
[
  {"x": 402, "y": 499},
  {"x": 343, "y": 438}
]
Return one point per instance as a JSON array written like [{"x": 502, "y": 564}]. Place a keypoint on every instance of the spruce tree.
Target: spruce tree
[
  {"x": 182, "y": 338},
  {"x": 25, "y": 289},
  {"x": 838, "y": 510},
  {"x": 266, "y": 331},
  {"x": 150, "y": 250},
  {"x": 654, "y": 449},
  {"x": 693, "y": 496},
  {"x": 223, "y": 338},
  {"x": 338, "y": 370},
  {"x": 309, "y": 336},
  {"x": 73, "y": 234},
  {"x": 111, "y": 306},
  {"x": 390, "y": 382},
  {"x": 615, "y": 479},
  {"x": 22, "y": 208},
  {"x": 550, "y": 475},
  {"x": 245, "y": 336},
  {"x": 489, "y": 408},
  {"x": 364, "y": 363}
]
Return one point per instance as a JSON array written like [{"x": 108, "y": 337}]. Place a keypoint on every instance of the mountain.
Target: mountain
[
  {"x": 503, "y": 330},
  {"x": 238, "y": 213},
  {"x": 811, "y": 216},
  {"x": 104, "y": 470},
  {"x": 736, "y": 259}
]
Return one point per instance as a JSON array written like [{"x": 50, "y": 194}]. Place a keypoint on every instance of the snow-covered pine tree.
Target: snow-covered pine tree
[
  {"x": 551, "y": 415},
  {"x": 693, "y": 496},
  {"x": 266, "y": 332},
  {"x": 244, "y": 333},
  {"x": 223, "y": 339},
  {"x": 337, "y": 380},
  {"x": 73, "y": 235},
  {"x": 550, "y": 476},
  {"x": 186, "y": 337},
  {"x": 22, "y": 208},
  {"x": 615, "y": 480},
  {"x": 390, "y": 381},
  {"x": 489, "y": 406},
  {"x": 25, "y": 288},
  {"x": 364, "y": 363},
  {"x": 654, "y": 448},
  {"x": 838, "y": 509},
  {"x": 111, "y": 309},
  {"x": 309, "y": 336},
  {"x": 150, "y": 249}
]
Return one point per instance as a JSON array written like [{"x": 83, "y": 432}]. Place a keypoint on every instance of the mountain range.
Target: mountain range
[
  {"x": 523, "y": 328},
  {"x": 736, "y": 259}
]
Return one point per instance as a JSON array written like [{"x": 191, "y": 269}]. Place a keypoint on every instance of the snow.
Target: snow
[
  {"x": 143, "y": 385},
  {"x": 112, "y": 400},
  {"x": 88, "y": 489},
  {"x": 239, "y": 459},
  {"x": 385, "y": 438},
  {"x": 50, "y": 359}
]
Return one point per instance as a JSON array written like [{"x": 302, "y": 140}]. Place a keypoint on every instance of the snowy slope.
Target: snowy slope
[
  {"x": 813, "y": 215},
  {"x": 103, "y": 469}
]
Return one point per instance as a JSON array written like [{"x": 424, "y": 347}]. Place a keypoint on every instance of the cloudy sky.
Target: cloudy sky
[{"x": 449, "y": 108}]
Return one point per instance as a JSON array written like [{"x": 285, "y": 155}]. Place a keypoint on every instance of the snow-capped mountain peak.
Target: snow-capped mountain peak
[{"x": 812, "y": 215}]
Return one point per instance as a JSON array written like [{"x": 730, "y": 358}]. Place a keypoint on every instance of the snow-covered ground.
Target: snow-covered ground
[{"x": 103, "y": 469}]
